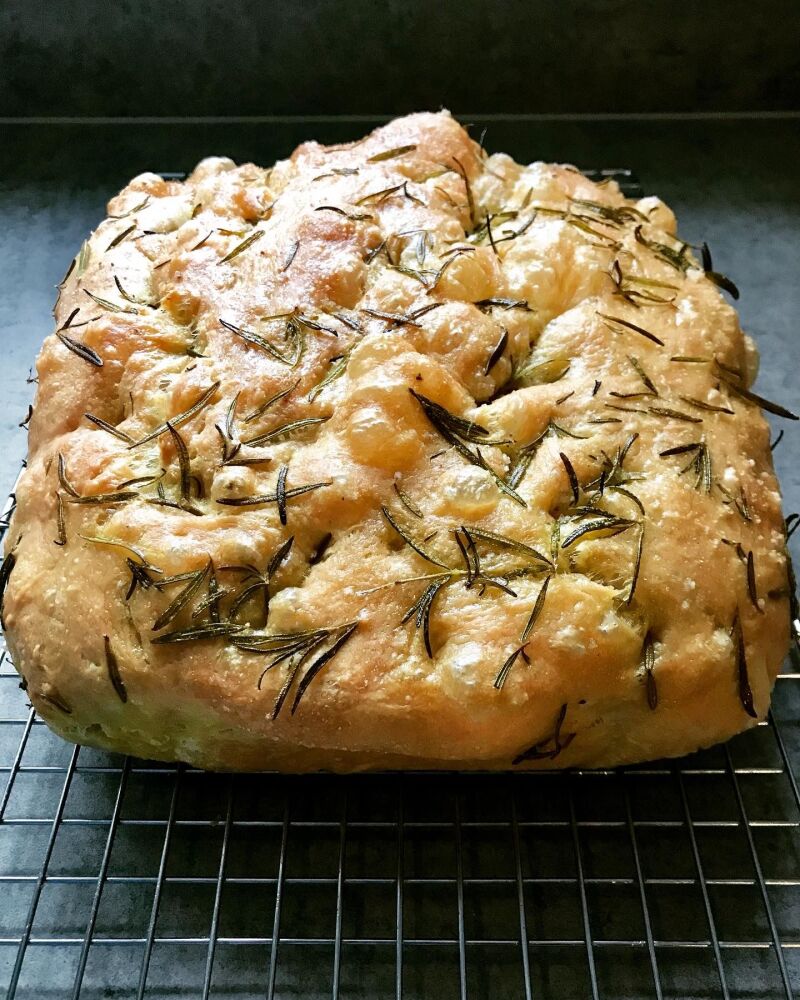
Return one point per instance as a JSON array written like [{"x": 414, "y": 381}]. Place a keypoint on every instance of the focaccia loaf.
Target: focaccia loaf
[{"x": 395, "y": 455}]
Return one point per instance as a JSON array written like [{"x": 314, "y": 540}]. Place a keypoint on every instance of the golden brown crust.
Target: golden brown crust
[{"x": 547, "y": 316}]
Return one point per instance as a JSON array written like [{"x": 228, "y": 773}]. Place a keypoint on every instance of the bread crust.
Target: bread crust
[{"x": 547, "y": 316}]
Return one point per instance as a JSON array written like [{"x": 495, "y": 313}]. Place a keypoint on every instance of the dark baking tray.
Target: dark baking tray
[{"x": 129, "y": 879}]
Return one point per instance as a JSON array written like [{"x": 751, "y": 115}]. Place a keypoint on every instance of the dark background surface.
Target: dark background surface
[{"x": 254, "y": 57}]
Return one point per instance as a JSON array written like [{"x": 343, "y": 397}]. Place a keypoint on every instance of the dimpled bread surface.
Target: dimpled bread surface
[{"x": 397, "y": 455}]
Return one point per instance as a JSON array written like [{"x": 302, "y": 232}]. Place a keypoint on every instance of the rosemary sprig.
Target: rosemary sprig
[
  {"x": 295, "y": 648},
  {"x": 700, "y": 463},
  {"x": 511, "y": 544},
  {"x": 103, "y": 499},
  {"x": 113, "y": 671},
  {"x": 637, "y": 367},
  {"x": 402, "y": 319},
  {"x": 527, "y": 453},
  {"x": 667, "y": 411},
  {"x": 618, "y": 215},
  {"x": 231, "y": 445},
  {"x": 540, "y": 372},
  {"x": 256, "y": 340},
  {"x": 571, "y": 476},
  {"x": 468, "y": 188},
  {"x": 676, "y": 258},
  {"x": 55, "y": 699},
  {"x": 739, "y": 504},
  {"x": 457, "y": 431},
  {"x": 714, "y": 276},
  {"x": 290, "y": 257},
  {"x": 280, "y": 496},
  {"x": 551, "y": 746},
  {"x": 257, "y": 582},
  {"x": 420, "y": 611}
]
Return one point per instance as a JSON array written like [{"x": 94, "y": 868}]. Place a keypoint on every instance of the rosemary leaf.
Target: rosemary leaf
[
  {"x": 604, "y": 527},
  {"x": 407, "y": 502},
  {"x": 284, "y": 430},
  {"x": 110, "y": 428},
  {"x": 391, "y": 154},
  {"x": 752, "y": 589},
  {"x": 210, "y": 630},
  {"x": 180, "y": 418},
  {"x": 752, "y": 397},
  {"x": 63, "y": 479},
  {"x": 257, "y": 341},
  {"x": 666, "y": 411},
  {"x": 630, "y": 326},
  {"x": 315, "y": 668},
  {"x": 113, "y": 671},
  {"x": 410, "y": 541},
  {"x": 241, "y": 247},
  {"x": 537, "y": 610},
  {"x": 61, "y": 526},
  {"x": 179, "y": 603},
  {"x": 497, "y": 352},
  {"x": 108, "y": 305},
  {"x": 5, "y": 573},
  {"x": 638, "y": 563},
  {"x": 740, "y": 655},
  {"x": 270, "y": 402},
  {"x": 648, "y": 662},
  {"x": 550, "y": 747},
  {"x": 120, "y": 237},
  {"x": 571, "y": 476},
  {"x": 80, "y": 350}
]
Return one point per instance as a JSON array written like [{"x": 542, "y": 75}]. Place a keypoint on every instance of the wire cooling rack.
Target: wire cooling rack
[{"x": 128, "y": 879}]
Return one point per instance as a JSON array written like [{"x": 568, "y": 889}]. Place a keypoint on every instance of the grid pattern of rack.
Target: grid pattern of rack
[{"x": 129, "y": 879}]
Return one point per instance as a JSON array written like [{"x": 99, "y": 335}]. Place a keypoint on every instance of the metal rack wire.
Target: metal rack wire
[{"x": 123, "y": 878}]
